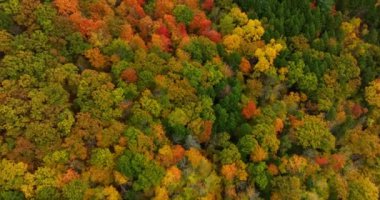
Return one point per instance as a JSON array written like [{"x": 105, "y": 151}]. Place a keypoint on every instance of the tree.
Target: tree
[
  {"x": 245, "y": 66},
  {"x": 314, "y": 133},
  {"x": 372, "y": 93},
  {"x": 294, "y": 165},
  {"x": 102, "y": 158},
  {"x": 178, "y": 117},
  {"x": 126, "y": 32},
  {"x": 229, "y": 171},
  {"x": 161, "y": 41},
  {"x": 144, "y": 173},
  {"x": 232, "y": 42},
  {"x": 361, "y": 187},
  {"x": 363, "y": 142},
  {"x": 200, "y": 23},
  {"x": 12, "y": 175},
  {"x": 145, "y": 25},
  {"x": 170, "y": 155},
  {"x": 208, "y": 5},
  {"x": 26, "y": 15},
  {"x": 258, "y": 154},
  {"x": 76, "y": 44},
  {"x": 183, "y": 14},
  {"x": 75, "y": 190},
  {"x": 308, "y": 82},
  {"x": 252, "y": 31},
  {"x": 226, "y": 24},
  {"x": 249, "y": 110},
  {"x": 5, "y": 20},
  {"x": 96, "y": 91},
  {"x": 213, "y": 35},
  {"x": 338, "y": 187},
  {"x": 229, "y": 155},
  {"x": 189, "y": 99},
  {"x": 121, "y": 49},
  {"x": 111, "y": 193},
  {"x": 129, "y": 75},
  {"x": 207, "y": 131},
  {"x": 67, "y": 7},
  {"x": 163, "y": 7},
  {"x": 96, "y": 58},
  {"x": 11, "y": 195},
  {"x": 5, "y": 39},
  {"x": 240, "y": 17},
  {"x": 286, "y": 187},
  {"x": 246, "y": 145},
  {"x": 259, "y": 175},
  {"x": 279, "y": 125},
  {"x": 135, "y": 9},
  {"x": 84, "y": 25},
  {"x": 24, "y": 62},
  {"x": 201, "y": 49}
]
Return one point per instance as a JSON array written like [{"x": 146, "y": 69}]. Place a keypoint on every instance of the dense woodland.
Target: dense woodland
[{"x": 189, "y": 99}]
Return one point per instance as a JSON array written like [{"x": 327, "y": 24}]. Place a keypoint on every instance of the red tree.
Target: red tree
[
  {"x": 129, "y": 75},
  {"x": 84, "y": 25},
  {"x": 163, "y": 30},
  {"x": 212, "y": 35},
  {"x": 208, "y": 5},
  {"x": 200, "y": 23},
  {"x": 338, "y": 161},
  {"x": 321, "y": 160},
  {"x": 249, "y": 110},
  {"x": 178, "y": 152},
  {"x": 136, "y": 9}
]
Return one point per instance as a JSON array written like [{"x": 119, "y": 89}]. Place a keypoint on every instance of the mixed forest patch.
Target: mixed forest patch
[{"x": 189, "y": 99}]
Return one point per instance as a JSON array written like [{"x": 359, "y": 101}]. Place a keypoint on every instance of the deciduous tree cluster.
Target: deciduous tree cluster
[{"x": 189, "y": 99}]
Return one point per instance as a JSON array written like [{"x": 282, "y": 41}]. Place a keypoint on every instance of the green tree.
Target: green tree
[
  {"x": 286, "y": 187},
  {"x": 47, "y": 193},
  {"x": 183, "y": 14},
  {"x": 178, "y": 117},
  {"x": 144, "y": 173},
  {"x": 226, "y": 25},
  {"x": 120, "y": 48},
  {"x": 246, "y": 145},
  {"x": 75, "y": 190},
  {"x": 45, "y": 15},
  {"x": 97, "y": 95},
  {"x": 314, "y": 133},
  {"x": 258, "y": 174},
  {"x": 362, "y": 188},
  {"x": 11, "y": 195},
  {"x": 201, "y": 49},
  {"x": 102, "y": 158},
  {"x": 229, "y": 154}
]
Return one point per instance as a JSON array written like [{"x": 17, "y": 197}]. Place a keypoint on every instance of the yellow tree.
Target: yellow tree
[
  {"x": 372, "y": 93},
  {"x": 12, "y": 175}
]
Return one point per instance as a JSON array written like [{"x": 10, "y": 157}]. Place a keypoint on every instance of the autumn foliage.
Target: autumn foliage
[
  {"x": 189, "y": 99},
  {"x": 96, "y": 58},
  {"x": 129, "y": 75},
  {"x": 249, "y": 110}
]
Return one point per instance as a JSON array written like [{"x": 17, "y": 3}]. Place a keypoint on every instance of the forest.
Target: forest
[{"x": 189, "y": 99}]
